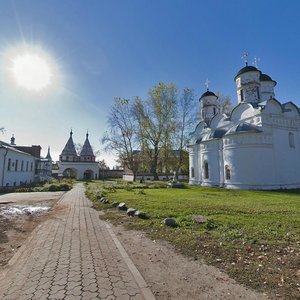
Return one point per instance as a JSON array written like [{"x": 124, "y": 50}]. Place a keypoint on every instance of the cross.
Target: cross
[
  {"x": 207, "y": 82},
  {"x": 245, "y": 57},
  {"x": 256, "y": 61}
]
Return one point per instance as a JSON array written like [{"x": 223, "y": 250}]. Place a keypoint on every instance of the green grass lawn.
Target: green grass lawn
[{"x": 252, "y": 235}]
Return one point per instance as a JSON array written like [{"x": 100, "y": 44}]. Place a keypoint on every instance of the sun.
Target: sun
[{"x": 31, "y": 72}]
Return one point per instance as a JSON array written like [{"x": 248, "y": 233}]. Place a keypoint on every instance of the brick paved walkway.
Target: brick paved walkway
[{"x": 74, "y": 255}]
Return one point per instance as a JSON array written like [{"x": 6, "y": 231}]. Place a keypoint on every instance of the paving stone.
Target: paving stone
[{"x": 71, "y": 256}]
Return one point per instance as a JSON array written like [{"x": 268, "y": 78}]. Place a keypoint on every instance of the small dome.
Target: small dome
[
  {"x": 245, "y": 70},
  {"x": 265, "y": 77},
  {"x": 208, "y": 93}
]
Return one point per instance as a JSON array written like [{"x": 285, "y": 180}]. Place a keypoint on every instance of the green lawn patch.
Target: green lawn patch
[{"x": 252, "y": 235}]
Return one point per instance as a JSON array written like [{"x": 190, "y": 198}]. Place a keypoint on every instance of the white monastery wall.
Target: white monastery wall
[{"x": 23, "y": 173}]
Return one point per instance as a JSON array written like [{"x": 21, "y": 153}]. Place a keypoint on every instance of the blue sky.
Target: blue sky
[{"x": 106, "y": 49}]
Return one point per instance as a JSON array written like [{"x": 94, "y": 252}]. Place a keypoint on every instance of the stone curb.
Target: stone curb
[{"x": 147, "y": 293}]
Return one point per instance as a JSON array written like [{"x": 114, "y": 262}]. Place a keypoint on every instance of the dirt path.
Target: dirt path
[{"x": 173, "y": 276}]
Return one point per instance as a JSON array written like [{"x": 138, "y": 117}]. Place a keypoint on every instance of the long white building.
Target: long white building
[
  {"x": 16, "y": 167},
  {"x": 23, "y": 165},
  {"x": 256, "y": 147}
]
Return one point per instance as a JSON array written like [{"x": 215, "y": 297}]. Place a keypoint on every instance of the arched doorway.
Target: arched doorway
[
  {"x": 88, "y": 175},
  {"x": 70, "y": 173}
]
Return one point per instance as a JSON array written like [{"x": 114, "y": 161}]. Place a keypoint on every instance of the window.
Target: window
[
  {"x": 9, "y": 164},
  {"x": 192, "y": 172},
  {"x": 242, "y": 95},
  {"x": 206, "y": 170},
  {"x": 16, "y": 165},
  {"x": 291, "y": 140},
  {"x": 214, "y": 110},
  {"x": 257, "y": 89},
  {"x": 26, "y": 166},
  {"x": 31, "y": 166},
  {"x": 227, "y": 172},
  {"x": 22, "y": 165}
]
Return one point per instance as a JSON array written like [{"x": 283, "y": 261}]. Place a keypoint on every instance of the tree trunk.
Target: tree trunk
[{"x": 154, "y": 164}]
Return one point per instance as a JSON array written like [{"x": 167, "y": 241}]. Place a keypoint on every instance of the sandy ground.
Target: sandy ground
[
  {"x": 169, "y": 274},
  {"x": 173, "y": 276},
  {"x": 15, "y": 227}
]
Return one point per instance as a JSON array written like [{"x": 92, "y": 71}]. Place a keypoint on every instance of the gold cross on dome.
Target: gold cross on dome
[
  {"x": 207, "y": 82},
  {"x": 245, "y": 57},
  {"x": 256, "y": 61}
]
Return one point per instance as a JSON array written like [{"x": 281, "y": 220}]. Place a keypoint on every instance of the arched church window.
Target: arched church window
[
  {"x": 214, "y": 110},
  {"x": 291, "y": 140},
  {"x": 257, "y": 90},
  {"x": 206, "y": 170},
  {"x": 192, "y": 172},
  {"x": 242, "y": 95},
  {"x": 227, "y": 172},
  {"x": 9, "y": 164}
]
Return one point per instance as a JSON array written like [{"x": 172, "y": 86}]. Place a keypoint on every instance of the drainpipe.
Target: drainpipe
[{"x": 2, "y": 183}]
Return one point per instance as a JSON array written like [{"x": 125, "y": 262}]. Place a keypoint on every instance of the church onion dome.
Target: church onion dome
[
  {"x": 265, "y": 77},
  {"x": 243, "y": 127},
  {"x": 69, "y": 149},
  {"x": 245, "y": 70},
  {"x": 208, "y": 93},
  {"x": 86, "y": 148}
]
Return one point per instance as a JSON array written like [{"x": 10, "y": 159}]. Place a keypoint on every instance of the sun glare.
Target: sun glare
[{"x": 31, "y": 72}]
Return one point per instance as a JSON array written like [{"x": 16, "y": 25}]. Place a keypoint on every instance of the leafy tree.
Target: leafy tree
[
  {"x": 156, "y": 117},
  {"x": 121, "y": 137}
]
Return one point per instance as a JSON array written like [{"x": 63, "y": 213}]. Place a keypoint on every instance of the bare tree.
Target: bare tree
[
  {"x": 121, "y": 136},
  {"x": 225, "y": 104},
  {"x": 103, "y": 166},
  {"x": 186, "y": 118}
]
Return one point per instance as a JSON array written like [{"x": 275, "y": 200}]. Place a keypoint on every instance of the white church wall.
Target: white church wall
[
  {"x": 250, "y": 161},
  {"x": 287, "y": 157},
  {"x": 193, "y": 165},
  {"x": 210, "y": 155}
]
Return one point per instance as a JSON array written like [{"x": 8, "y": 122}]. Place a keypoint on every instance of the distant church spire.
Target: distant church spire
[
  {"x": 87, "y": 150},
  {"x": 69, "y": 149},
  {"x": 48, "y": 154}
]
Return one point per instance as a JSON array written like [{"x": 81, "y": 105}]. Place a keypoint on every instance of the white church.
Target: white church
[{"x": 256, "y": 147}]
